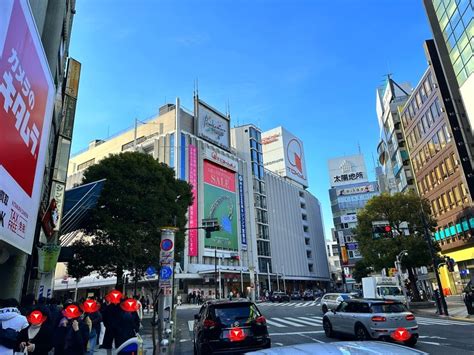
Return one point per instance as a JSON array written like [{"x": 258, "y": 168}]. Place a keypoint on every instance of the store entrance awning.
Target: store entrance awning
[{"x": 78, "y": 202}]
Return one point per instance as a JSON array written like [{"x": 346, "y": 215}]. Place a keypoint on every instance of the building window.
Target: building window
[
  {"x": 306, "y": 241},
  {"x": 86, "y": 164},
  {"x": 264, "y": 265},
  {"x": 304, "y": 217},
  {"x": 310, "y": 268},
  {"x": 305, "y": 229},
  {"x": 308, "y": 254}
]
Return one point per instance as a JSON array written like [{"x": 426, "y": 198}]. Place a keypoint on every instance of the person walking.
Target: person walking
[
  {"x": 10, "y": 318},
  {"x": 72, "y": 335},
  {"x": 37, "y": 338},
  {"x": 91, "y": 312},
  {"x": 129, "y": 322},
  {"x": 111, "y": 319}
]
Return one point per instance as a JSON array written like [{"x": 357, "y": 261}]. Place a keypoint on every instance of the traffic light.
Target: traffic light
[
  {"x": 450, "y": 264},
  {"x": 211, "y": 229},
  {"x": 381, "y": 231}
]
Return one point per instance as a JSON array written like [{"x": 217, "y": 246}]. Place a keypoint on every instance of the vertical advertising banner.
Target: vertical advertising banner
[
  {"x": 26, "y": 104},
  {"x": 243, "y": 229},
  {"x": 220, "y": 202},
  {"x": 193, "y": 210}
]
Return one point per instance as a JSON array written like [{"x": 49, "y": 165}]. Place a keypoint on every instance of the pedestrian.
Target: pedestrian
[
  {"x": 91, "y": 312},
  {"x": 11, "y": 323},
  {"x": 147, "y": 304},
  {"x": 129, "y": 322},
  {"x": 54, "y": 312},
  {"x": 140, "y": 307},
  {"x": 198, "y": 298},
  {"x": 72, "y": 335},
  {"x": 111, "y": 318},
  {"x": 231, "y": 294},
  {"x": 37, "y": 338},
  {"x": 179, "y": 300},
  {"x": 194, "y": 297}
]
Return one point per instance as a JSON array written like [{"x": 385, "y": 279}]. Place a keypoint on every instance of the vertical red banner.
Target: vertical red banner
[{"x": 193, "y": 209}]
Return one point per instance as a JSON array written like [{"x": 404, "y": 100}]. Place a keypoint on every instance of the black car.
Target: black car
[
  {"x": 224, "y": 326},
  {"x": 279, "y": 296}
]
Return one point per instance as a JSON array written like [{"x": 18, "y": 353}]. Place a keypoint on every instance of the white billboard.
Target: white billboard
[
  {"x": 347, "y": 170},
  {"x": 26, "y": 103},
  {"x": 283, "y": 153},
  {"x": 212, "y": 125}
]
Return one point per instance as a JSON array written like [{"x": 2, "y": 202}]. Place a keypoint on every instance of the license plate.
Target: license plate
[{"x": 226, "y": 333}]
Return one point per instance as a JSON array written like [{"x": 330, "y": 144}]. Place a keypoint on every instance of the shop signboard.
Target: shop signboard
[{"x": 26, "y": 103}]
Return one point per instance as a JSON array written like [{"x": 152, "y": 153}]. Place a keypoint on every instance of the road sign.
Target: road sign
[
  {"x": 165, "y": 272},
  {"x": 166, "y": 245},
  {"x": 150, "y": 271}
]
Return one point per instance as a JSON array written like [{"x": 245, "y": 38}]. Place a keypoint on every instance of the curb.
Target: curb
[{"x": 434, "y": 315}]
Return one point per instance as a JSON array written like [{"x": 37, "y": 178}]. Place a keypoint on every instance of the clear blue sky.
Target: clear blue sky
[{"x": 310, "y": 66}]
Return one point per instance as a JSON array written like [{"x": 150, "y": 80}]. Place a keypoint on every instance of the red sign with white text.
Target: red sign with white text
[
  {"x": 26, "y": 103},
  {"x": 193, "y": 209},
  {"x": 219, "y": 176}
]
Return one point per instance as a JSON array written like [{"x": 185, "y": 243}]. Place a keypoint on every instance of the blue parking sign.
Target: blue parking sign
[{"x": 165, "y": 272}]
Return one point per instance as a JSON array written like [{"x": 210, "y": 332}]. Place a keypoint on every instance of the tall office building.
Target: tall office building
[
  {"x": 34, "y": 39},
  {"x": 350, "y": 190},
  {"x": 442, "y": 167},
  {"x": 452, "y": 24},
  {"x": 393, "y": 156}
]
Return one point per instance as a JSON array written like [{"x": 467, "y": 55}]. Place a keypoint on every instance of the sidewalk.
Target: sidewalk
[{"x": 456, "y": 309}]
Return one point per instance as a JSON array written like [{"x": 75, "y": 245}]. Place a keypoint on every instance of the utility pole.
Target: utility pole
[
  {"x": 215, "y": 270},
  {"x": 435, "y": 265},
  {"x": 398, "y": 266},
  {"x": 268, "y": 276}
]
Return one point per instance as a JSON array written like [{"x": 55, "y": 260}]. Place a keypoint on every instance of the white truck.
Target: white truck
[{"x": 382, "y": 287}]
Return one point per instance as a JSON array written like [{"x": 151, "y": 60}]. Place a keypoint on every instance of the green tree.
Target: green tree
[
  {"x": 403, "y": 212},
  {"x": 362, "y": 269},
  {"x": 140, "y": 195}
]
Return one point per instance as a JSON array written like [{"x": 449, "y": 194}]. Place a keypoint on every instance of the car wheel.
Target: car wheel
[
  {"x": 324, "y": 308},
  {"x": 412, "y": 341},
  {"x": 328, "y": 328},
  {"x": 361, "y": 333}
]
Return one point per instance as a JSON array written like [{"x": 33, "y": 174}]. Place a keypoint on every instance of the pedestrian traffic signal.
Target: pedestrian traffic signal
[
  {"x": 211, "y": 229},
  {"x": 381, "y": 231}
]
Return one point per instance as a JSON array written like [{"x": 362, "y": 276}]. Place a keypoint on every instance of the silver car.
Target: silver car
[
  {"x": 372, "y": 319},
  {"x": 332, "y": 300}
]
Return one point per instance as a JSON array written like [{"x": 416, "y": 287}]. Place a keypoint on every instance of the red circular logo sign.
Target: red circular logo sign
[
  {"x": 72, "y": 311},
  {"x": 166, "y": 245},
  {"x": 114, "y": 297}
]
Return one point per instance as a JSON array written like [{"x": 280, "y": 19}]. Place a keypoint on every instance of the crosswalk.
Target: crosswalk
[
  {"x": 317, "y": 321},
  {"x": 290, "y": 304}
]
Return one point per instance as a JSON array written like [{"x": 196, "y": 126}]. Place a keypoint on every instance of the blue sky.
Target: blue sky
[{"x": 311, "y": 66}]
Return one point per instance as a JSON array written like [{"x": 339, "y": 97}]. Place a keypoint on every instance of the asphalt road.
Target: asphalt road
[{"x": 301, "y": 322}]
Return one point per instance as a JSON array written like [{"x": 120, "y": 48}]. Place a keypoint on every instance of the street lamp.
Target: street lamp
[{"x": 398, "y": 266}]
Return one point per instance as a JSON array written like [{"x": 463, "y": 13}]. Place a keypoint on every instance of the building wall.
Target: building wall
[
  {"x": 438, "y": 153},
  {"x": 297, "y": 246},
  {"x": 452, "y": 24},
  {"x": 123, "y": 141}
]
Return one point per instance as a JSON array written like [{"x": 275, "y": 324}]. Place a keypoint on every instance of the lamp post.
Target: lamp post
[{"x": 398, "y": 266}]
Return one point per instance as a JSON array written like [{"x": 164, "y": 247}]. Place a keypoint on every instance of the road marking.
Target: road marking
[
  {"x": 287, "y": 322},
  {"x": 275, "y": 324},
  {"x": 279, "y": 344},
  {"x": 443, "y": 321},
  {"x": 190, "y": 325},
  {"x": 313, "y": 323},
  {"x": 438, "y": 322},
  {"x": 298, "y": 333},
  {"x": 314, "y": 339},
  {"x": 184, "y": 340},
  {"x": 313, "y": 319},
  {"x": 430, "y": 342}
]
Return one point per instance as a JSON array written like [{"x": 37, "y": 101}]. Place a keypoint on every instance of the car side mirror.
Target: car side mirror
[{"x": 196, "y": 316}]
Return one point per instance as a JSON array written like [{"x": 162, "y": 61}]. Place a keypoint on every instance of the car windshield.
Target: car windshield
[
  {"x": 228, "y": 314},
  {"x": 389, "y": 291},
  {"x": 388, "y": 308}
]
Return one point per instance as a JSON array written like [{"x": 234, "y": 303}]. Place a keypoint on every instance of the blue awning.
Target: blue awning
[{"x": 78, "y": 202}]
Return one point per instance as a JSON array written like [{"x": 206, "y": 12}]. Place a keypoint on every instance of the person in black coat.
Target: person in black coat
[
  {"x": 37, "y": 338},
  {"x": 72, "y": 334}
]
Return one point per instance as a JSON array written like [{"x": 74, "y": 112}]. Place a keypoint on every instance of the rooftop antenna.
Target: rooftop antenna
[{"x": 358, "y": 148}]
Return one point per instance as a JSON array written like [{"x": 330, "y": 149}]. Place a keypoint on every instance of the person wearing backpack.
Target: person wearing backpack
[{"x": 11, "y": 323}]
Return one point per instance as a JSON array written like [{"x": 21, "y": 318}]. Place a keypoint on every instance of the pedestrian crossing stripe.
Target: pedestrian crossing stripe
[{"x": 433, "y": 321}]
